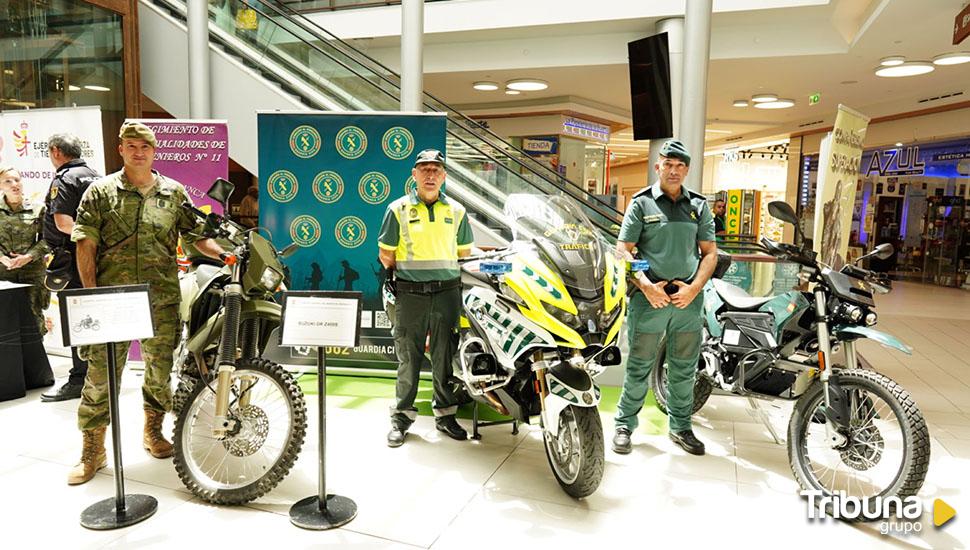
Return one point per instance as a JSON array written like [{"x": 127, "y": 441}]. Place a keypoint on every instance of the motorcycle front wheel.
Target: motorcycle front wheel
[
  {"x": 258, "y": 452},
  {"x": 887, "y": 447},
  {"x": 576, "y": 454}
]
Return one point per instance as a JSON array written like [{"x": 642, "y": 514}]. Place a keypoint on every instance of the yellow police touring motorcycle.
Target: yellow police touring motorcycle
[
  {"x": 540, "y": 320},
  {"x": 240, "y": 419}
]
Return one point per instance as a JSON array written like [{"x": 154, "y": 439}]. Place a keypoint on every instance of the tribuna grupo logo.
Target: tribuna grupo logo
[{"x": 898, "y": 515}]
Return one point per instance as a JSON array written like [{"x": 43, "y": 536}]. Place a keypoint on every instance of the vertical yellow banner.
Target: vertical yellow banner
[
  {"x": 838, "y": 171},
  {"x": 732, "y": 217}
]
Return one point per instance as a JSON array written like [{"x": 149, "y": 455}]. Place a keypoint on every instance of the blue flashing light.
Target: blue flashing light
[
  {"x": 639, "y": 265},
  {"x": 495, "y": 268}
]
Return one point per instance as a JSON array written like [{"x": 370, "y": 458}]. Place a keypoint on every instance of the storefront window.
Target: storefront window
[{"x": 62, "y": 53}]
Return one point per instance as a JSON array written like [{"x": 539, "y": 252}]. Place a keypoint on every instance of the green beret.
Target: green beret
[
  {"x": 137, "y": 130},
  {"x": 673, "y": 148}
]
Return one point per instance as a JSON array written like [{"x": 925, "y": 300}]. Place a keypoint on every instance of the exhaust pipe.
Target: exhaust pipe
[{"x": 496, "y": 403}]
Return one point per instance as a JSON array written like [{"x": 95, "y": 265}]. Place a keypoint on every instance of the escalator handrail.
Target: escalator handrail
[{"x": 468, "y": 124}]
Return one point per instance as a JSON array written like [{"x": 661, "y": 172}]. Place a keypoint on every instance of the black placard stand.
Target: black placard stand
[
  {"x": 322, "y": 511},
  {"x": 122, "y": 510}
]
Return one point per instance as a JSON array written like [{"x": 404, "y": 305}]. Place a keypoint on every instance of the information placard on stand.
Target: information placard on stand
[
  {"x": 320, "y": 319},
  {"x": 108, "y": 315}
]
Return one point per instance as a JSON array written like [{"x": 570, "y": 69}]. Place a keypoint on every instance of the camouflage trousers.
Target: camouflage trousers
[
  {"x": 32, "y": 274},
  {"x": 156, "y": 389}
]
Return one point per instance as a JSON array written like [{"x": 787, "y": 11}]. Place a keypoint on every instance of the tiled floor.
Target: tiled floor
[{"x": 500, "y": 493}]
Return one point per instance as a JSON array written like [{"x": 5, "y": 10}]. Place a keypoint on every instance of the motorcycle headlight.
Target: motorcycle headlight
[
  {"x": 852, "y": 313},
  {"x": 871, "y": 318},
  {"x": 270, "y": 279},
  {"x": 564, "y": 317}
]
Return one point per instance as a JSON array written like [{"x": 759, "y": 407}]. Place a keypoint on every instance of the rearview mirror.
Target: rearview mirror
[
  {"x": 782, "y": 211},
  {"x": 220, "y": 191},
  {"x": 289, "y": 250},
  {"x": 884, "y": 251}
]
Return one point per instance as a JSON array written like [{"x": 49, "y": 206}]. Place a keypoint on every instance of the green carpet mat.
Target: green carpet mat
[{"x": 363, "y": 393}]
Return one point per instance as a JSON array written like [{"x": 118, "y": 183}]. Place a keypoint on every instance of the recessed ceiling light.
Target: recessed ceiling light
[
  {"x": 97, "y": 88},
  {"x": 909, "y": 68},
  {"x": 512, "y": 92},
  {"x": 763, "y": 98},
  {"x": 776, "y": 104},
  {"x": 73, "y": 88},
  {"x": 740, "y": 103},
  {"x": 892, "y": 61},
  {"x": 954, "y": 58},
  {"x": 527, "y": 84},
  {"x": 8, "y": 71},
  {"x": 899, "y": 144},
  {"x": 485, "y": 86}
]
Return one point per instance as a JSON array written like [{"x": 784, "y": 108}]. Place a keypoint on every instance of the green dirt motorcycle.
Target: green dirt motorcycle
[
  {"x": 853, "y": 432},
  {"x": 240, "y": 419}
]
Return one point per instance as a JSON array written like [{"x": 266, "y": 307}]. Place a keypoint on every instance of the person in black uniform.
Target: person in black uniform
[{"x": 72, "y": 177}]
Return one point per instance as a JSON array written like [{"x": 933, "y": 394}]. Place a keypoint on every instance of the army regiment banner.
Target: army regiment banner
[
  {"x": 839, "y": 163},
  {"x": 325, "y": 181}
]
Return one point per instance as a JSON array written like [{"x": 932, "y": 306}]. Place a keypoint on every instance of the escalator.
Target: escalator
[{"x": 309, "y": 68}]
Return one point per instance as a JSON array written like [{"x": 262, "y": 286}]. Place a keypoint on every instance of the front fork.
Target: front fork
[
  {"x": 232, "y": 303},
  {"x": 834, "y": 438}
]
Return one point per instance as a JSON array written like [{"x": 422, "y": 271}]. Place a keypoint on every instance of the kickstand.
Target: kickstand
[
  {"x": 475, "y": 435},
  {"x": 476, "y": 423},
  {"x": 762, "y": 415}
]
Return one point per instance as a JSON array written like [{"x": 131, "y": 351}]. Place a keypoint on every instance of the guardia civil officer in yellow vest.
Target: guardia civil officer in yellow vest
[
  {"x": 422, "y": 236},
  {"x": 672, "y": 228}
]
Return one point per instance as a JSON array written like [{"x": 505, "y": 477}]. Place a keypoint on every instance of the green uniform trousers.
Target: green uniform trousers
[
  {"x": 646, "y": 327},
  {"x": 156, "y": 389},
  {"x": 415, "y": 315}
]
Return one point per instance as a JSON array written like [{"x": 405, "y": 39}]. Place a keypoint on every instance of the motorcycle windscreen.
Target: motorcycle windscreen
[{"x": 560, "y": 230}]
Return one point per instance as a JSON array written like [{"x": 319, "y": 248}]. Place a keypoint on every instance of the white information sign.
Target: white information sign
[
  {"x": 321, "y": 319},
  {"x": 102, "y": 315}
]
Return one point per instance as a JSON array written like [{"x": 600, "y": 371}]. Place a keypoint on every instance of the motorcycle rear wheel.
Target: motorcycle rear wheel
[
  {"x": 576, "y": 455},
  {"x": 887, "y": 428},
  {"x": 658, "y": 381},
  {"x": 253, "y": 460}
]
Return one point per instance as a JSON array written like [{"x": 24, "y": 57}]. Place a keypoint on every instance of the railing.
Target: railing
[{"x": 310, "y": 6}]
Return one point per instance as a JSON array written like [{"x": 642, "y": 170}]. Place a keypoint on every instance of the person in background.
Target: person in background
[
  {"x": 249, "y": 208},
  {"x": 127, "y": 232},
  {"x": 719, "y": 209},
  {"x": 72, "y": 177},
  {"x": 22, "y": 247}
]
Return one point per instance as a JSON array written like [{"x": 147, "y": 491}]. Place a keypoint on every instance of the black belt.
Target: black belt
[{"x": 427, "y": 287}]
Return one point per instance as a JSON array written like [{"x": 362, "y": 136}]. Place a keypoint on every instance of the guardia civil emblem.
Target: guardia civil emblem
[
  {"x": 328, "y": 187},
  {"x": 410, "y": 185},
  {"x": 351, "y": 142},
  {"x": 398, "y": 143},
  {"x": 305, "y": 141},
  {"x": 350, "y": 231},
  {"x": 305, "y": 230},
  {"x": 374, "y": 187},
  {"x": 282, "y": 186}
]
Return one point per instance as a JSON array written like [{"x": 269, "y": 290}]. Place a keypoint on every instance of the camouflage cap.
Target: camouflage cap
[
  {"x": 673, "y": 148},
  {"x": 429, "y": 155},
  {"x": 137, "y": 130}
]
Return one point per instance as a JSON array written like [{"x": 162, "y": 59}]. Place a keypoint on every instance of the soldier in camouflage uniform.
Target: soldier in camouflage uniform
[
  {"x": 22, "y": 247},
  {"x": 127, "y": 230}
]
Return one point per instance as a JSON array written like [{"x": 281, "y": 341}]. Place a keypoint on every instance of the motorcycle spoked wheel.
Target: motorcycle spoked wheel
[
  {"x": 888, "y": 448},
  {"x": 658, "y": 381},
  {"x": 576, "y": 454},
  {"x": 258, "y": 454}
]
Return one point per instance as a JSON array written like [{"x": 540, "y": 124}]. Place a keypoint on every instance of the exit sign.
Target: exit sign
[{"x": 814, "y": 98}]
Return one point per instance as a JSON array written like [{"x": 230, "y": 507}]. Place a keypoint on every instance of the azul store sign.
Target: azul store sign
[{"x": 944, "y": 159}]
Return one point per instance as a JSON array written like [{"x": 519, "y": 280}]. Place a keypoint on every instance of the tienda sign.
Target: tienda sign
[{"x": 961, "y": 25}]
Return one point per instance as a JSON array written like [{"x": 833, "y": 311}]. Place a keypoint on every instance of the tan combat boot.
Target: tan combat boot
[
  {"x": 153, "y": 440},
  {"x": 93, "y": 457}
]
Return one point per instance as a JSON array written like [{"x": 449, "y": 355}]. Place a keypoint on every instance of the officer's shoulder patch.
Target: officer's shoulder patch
[{"x": 54, "y": 191}]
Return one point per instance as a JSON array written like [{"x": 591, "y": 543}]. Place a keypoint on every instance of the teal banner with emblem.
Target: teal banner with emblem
[{"x": 325, "y": 182}]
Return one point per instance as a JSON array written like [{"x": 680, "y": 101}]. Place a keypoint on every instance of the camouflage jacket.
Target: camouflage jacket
[
  {"x": 20, "y": 233},
  {"x": 137, "y": 235}
]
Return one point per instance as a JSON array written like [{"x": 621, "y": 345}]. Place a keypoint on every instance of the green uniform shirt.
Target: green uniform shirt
[
  {"x": 425, "y": 238},
  {"x": 137, "y": 235},
  {"x": 667, "y": 231},
  {"x": 20, "y": 233}
]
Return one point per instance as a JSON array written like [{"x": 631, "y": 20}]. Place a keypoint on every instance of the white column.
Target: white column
[
  {"x": 412, "y": 55},
  {"x": 674, "y": 27},
  {"x": 693, "y": 114},
  {"x": 197, "y": 21}
]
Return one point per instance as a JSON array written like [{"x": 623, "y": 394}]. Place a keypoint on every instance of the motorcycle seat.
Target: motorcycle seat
[{"x": 737, "y": 298}]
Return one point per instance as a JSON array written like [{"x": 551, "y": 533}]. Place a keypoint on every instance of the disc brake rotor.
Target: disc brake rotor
[
  {"x": 252, "y": 433},
  {"x": 864, "y": 450}
]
